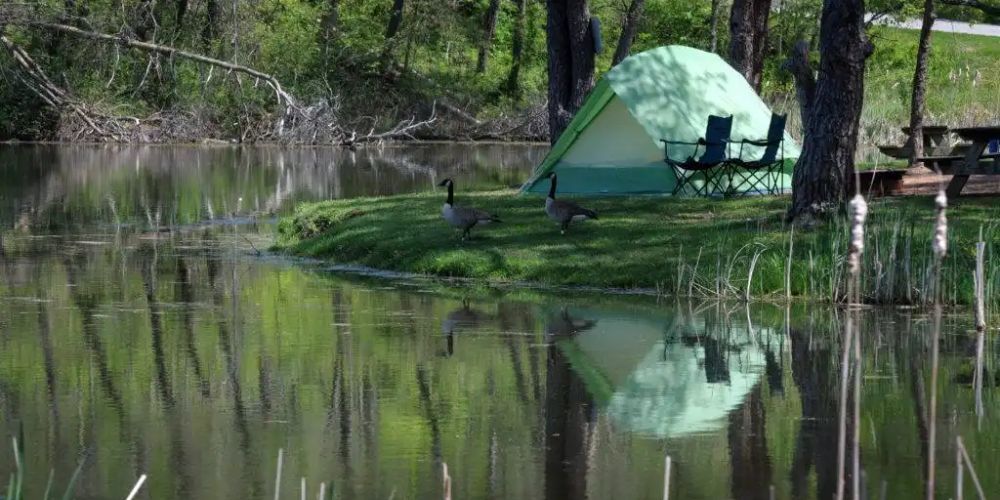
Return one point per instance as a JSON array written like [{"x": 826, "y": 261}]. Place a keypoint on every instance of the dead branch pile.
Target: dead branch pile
[
  {"x": 292, "y": 122},
  {"x": 529, "y": 123}
]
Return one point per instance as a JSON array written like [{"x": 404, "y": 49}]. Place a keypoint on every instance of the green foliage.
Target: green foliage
[{"x": 342, "y": 56}]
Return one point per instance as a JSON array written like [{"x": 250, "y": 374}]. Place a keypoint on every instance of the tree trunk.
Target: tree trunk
[
  {"x": 571, "y": 61},
  {"x": 714, "y": 23},
  {"x": 182, "y": 7},
  {"x": 512, "y": 85},
  {"x": 920, "y": 84},
  {"x": 328, "y": 30},
  {"x": 395, "y": 20},
  {"x": 391, "y": 30},
  {"x": 748, "y": 38},
  {"x": 805, "y": 80},
  {"x": 489, "y": 30},
  {"x": 826, "y": 165},
  {"x": 146, "y": 21},
  {"x": 629, "y": 28},
  {"x": 211, "y": 29}
]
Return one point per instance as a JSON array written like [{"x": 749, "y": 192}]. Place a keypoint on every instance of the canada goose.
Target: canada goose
[
  {"x": 464, "y": 218},
  {"x": 563, "y": 211}
]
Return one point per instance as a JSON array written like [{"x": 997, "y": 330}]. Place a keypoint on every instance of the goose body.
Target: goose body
[
  {"x": 464, "y": 218},
  {"x": 563, "y": 211}
]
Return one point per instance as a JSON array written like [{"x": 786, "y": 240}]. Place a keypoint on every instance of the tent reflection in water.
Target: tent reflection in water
[
  {"x": 655, "y": 377},
  {"x": 612, "y": 145}
]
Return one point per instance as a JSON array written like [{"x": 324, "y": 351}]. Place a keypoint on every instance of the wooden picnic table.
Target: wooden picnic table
[
  {"x": 974, "y": 162},
  {"x": 935, "y": 139}
]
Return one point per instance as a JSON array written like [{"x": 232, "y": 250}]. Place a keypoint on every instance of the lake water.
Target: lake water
[{"x": 143, "y": 333}]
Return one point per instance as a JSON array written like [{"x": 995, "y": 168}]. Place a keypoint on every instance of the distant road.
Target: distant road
[{"x": 949, "y": 26}]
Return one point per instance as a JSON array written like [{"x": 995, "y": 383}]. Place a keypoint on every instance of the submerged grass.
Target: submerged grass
[{"x": 735, "y": 248}]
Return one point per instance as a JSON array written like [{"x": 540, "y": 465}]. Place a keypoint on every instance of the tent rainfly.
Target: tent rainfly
[{"x": 612, "y": 146}]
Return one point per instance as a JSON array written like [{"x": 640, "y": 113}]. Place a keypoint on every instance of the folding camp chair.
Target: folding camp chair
[
  {"x": 715, "y": 143},
  {"x": 760, "y": 175}
]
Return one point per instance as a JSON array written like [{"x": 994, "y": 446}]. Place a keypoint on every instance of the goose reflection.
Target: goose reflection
[
  {"x": 565, "y": 325},
  {"x": 463, "y": 318}
]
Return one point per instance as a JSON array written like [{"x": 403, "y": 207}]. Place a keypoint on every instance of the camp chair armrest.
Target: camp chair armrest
[
  {"x": 761, "y": 142},
  {"x": 666, "y": 146}
]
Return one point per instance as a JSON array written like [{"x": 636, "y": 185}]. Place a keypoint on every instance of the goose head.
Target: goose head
[{"x": 446, "y": 182}]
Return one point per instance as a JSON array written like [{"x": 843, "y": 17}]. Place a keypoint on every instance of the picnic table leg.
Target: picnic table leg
[
  {"x": 956, "y": 185},
  {"x": 970, "y": 163}
]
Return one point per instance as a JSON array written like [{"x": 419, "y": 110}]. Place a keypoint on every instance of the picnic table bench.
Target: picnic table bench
[{"x": 975, "y": 161}]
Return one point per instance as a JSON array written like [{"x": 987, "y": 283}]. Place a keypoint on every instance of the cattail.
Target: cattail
[
  {"x": 858, "y": 211},
  {"x": 940, "y": 242}
]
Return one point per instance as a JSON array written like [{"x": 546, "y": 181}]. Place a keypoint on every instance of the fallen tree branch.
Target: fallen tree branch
[
  {"x": 403, "y": 130},
  {"x": 284, "y": 98},
  {"x": 34, "y": 77}
]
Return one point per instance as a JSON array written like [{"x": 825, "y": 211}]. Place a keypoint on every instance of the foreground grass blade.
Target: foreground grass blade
[
  {"x": 48, "y": 485},
  {"x": 72, "y": 481}
]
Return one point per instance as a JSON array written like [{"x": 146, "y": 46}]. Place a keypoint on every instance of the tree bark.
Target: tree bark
[
  {"x": 512, "y": 85},
  {"x": 392, "y": 29},
  {"x": 328, "y": 30},
  {"x": 748, "y": 38},
  {"x": 714, "y": 25},
  {"x": 800, "y": 67},
  {"x": 629, "y": 28},
  {"x": 920, "y": 84},
  {"x": 146, "y": 20},
  {"x": 826, "y": 165},
  {"x": 395, "y": 20},
  {"x": 489, "y": 31},
  {"x": 210, "y": 31},
  {"x": 182, "y": 7},
  {"x": 571, "y": 61}
]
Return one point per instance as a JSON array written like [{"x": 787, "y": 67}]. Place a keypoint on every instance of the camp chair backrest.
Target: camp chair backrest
[
  {"x": 775, "y": 134},
  {"x": 716, "y": 139}
]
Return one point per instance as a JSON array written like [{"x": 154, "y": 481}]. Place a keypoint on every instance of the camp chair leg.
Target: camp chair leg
[{"x": 681, "y": 181}]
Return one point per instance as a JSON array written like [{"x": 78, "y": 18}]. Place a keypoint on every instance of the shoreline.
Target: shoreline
[{"x": 691, "y": 248}]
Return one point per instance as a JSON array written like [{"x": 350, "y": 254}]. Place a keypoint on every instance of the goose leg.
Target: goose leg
[{"x": 565, "y": 226}]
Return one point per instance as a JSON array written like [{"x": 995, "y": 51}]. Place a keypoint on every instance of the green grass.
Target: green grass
[{"x": 683, "y": 247}]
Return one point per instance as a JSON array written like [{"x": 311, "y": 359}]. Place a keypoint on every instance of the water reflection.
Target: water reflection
[
  {"x": 463, "y": 318},
  {"x": 182, "y": 355},
  {"x": 64, "y": 187}
]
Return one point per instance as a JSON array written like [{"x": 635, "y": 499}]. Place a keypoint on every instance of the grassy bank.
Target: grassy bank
[{"x": 731, "y": 248}]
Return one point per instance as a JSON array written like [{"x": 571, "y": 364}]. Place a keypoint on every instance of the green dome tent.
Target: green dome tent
[{"x": 612, "y": 145}]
